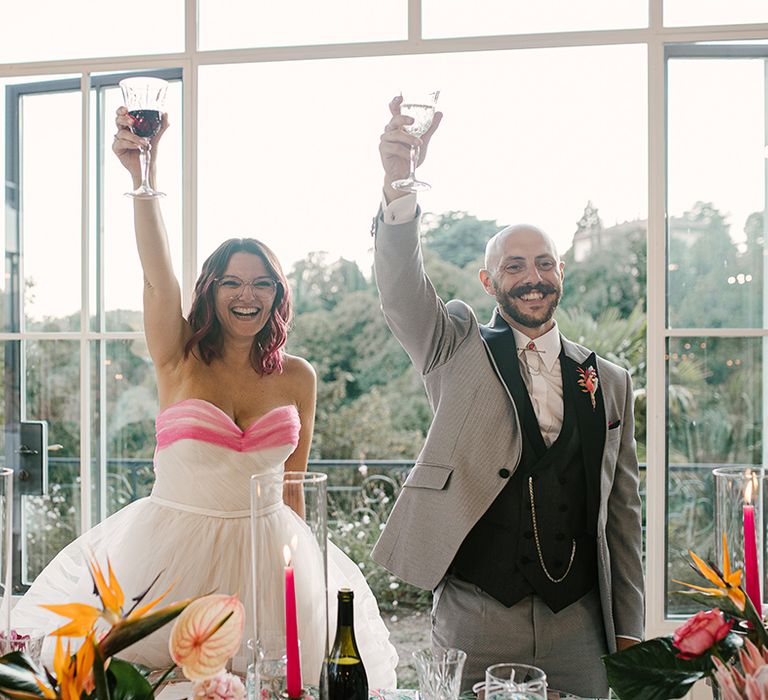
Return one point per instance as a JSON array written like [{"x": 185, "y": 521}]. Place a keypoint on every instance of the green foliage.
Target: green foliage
[
  {"x": 126, "y": 682},
  {"x": 651, "y": 670},
  {"x": 457, "y": 237},
  {"x": 355, "y": 521},
  {"x": 611, "y": 277}
]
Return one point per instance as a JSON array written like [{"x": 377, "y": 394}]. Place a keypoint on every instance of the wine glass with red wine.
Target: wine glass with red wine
[{"x": 144, "y": 99}]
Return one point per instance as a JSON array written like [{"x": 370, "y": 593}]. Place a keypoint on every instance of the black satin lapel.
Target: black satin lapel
[
  {"x": 501, "y": 342},
  {"x": 591, "y": 423}
]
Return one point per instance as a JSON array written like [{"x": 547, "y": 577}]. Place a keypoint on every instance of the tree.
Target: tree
[
  {"x": 613, "y": 273},
  {"x": 456, "y": 236},
  {"x": 317, "y": 284}
]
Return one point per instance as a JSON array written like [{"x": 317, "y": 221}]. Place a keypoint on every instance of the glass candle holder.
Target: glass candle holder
[
  {"x": 508, "y": 681},
  {"x": 290, "y": 597},
  {"x": 6, "y": 552},
  {"x": 741, "y": 495}
]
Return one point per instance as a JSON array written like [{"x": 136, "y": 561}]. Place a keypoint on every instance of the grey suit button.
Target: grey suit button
[{"x": 504, "y": 473}]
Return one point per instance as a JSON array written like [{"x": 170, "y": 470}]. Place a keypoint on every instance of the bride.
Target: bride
[{"x": 232, "y": 404}]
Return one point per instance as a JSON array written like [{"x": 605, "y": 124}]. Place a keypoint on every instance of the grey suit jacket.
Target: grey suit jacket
[{"x": 476, "y": 432}]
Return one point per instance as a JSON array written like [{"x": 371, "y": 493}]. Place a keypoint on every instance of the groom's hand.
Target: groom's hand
[{"x": 395, "y": 147}]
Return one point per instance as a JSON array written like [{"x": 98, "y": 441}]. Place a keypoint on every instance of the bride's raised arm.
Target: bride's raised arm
[{"x": 165, "y": 328}]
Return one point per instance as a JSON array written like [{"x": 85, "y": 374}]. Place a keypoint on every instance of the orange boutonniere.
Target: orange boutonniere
[{"x": 588, "y": 382}]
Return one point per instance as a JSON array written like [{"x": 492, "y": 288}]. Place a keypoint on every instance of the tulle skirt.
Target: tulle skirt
[{"x": 197, "y": 554}]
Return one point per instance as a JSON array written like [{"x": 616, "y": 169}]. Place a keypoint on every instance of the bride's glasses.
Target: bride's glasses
[
  {"x": 233, "y": 286},
  {"x": 421, "y": 107},
  {"x": 144, "y": 98}
]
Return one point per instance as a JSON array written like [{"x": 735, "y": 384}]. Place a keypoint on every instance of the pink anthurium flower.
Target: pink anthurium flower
[{"x": 206, "y": 635}]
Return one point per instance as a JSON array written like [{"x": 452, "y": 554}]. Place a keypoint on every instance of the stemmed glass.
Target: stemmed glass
[
  {"x": 145, "y": 100},
  {"x": 421, "y": 107}
]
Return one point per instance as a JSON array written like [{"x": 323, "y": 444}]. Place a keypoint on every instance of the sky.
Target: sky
[{"x": 287, "y": 153}]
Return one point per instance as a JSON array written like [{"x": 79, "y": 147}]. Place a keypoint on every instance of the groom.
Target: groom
[{"x": 522, "y": 512}]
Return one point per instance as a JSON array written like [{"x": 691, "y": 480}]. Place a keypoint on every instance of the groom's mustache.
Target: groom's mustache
[{"x": 528, "y": 288}]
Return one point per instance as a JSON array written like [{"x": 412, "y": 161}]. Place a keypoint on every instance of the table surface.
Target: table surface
[{"x": 183, "y": 689}]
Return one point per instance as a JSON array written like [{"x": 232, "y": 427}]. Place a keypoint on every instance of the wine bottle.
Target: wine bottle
[{"x": 346, "y": 674}]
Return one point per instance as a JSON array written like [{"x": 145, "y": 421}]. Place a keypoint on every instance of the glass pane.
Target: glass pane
[
  {"x": 680, "y": 13},
  {"x": 128, "y": 406},
  {"x": 241, "y": 23},
  {"x": 715, "y": 417},
  {"x": 339, "y": 191},
  {"x": 9, "y": 405},
  {"x": 50, "y": 211},
  {"x": 123, "y": 280},
  {"x": 47, "y": 30},
  {"x": 449, "y": 18},
  {"x": 52, "y": 519},
  {"x": 716, "y": 193}
]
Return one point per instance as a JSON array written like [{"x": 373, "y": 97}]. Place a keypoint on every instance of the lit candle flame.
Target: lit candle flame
[
  {"x": 287, "y": 555},
  {"x": 751, "y": 486}
]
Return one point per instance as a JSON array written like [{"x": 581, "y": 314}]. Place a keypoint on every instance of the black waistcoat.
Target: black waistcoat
[{"x": 501, "y": 554}]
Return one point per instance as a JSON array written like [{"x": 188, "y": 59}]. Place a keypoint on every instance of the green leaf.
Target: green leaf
[
  {"x": 17, "y": 676},
  {"x": 127, "y": 632},
  {"x": 19, "y": 658},
  {"x": 652, "y": 671},
  {"x": 127, "y": 682},
  {"x": 162, "y": 678},
  {"x": 99, "y": 676},
  {"x": 709, "y": 601}
]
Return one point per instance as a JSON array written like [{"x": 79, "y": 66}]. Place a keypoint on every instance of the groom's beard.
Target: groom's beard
[{"x": 511, "y": 304}]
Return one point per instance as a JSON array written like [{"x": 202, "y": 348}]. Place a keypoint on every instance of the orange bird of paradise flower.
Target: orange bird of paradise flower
[
  {"x": 727, "y": 584},
  {"x": 83, "y": 617}
]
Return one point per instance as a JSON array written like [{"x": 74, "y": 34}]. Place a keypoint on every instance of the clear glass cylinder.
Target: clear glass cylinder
[
  {"x": 737, "y": 491},
  {"x": 289, "y": 545},
  {"x": 6, "y": 557}
]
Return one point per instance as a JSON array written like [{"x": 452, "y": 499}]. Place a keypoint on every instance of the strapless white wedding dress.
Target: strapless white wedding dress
[{"x": 194, "y": 530}]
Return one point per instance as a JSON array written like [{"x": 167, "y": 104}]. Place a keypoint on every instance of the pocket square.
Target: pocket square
[{"x": 614, "y": 424}]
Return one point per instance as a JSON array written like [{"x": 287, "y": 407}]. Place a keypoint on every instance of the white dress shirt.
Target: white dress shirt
[{"x": 543, "y": 377}]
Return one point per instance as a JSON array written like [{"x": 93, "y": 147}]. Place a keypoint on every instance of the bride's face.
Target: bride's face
[{"x": 245, "y": 293}]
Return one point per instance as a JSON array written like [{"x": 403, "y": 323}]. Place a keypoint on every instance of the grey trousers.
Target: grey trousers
[{"x": 566, "y": 645}]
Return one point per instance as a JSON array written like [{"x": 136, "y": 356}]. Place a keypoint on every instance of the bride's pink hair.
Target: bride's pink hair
[{"x": 267, "y": 348}]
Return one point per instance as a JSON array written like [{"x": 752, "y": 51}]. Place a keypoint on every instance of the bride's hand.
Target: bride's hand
[{"x": 126, "y": 145}]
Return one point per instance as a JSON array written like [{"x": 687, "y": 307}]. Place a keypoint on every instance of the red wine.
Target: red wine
[{"x": 146, "y": 122}]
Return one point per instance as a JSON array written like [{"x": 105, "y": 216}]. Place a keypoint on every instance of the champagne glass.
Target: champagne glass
[
  {"x": 145, "y": 100},
  {"x": 421, "y": 107}
]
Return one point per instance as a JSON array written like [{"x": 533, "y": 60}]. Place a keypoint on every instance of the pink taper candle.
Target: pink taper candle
[
  {"x": 750, "y": 551},
  {"x": 292, "y": 661}
]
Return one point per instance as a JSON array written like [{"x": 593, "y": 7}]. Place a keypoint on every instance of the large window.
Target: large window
[
  {"x": 717, "y": 338},
  {"x": 623, "y": 129}
]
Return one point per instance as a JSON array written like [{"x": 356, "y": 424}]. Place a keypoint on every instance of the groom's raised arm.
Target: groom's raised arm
[{"x": 414, "y": 312}]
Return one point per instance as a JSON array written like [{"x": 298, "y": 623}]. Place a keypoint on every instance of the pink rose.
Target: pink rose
[{"x": 700, "y": 633}]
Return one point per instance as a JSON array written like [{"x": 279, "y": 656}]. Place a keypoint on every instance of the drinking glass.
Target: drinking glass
[
  {"x": 439, "y": 673},
  {"x": 26, "y": 640},
  {"x": 145, "y": 100},
  {"x": 6, "y": 553},
  {"x": 265, "y": 678},
  {"x": 510, "y": 681},
  {"x": 421, "y": 107}
]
